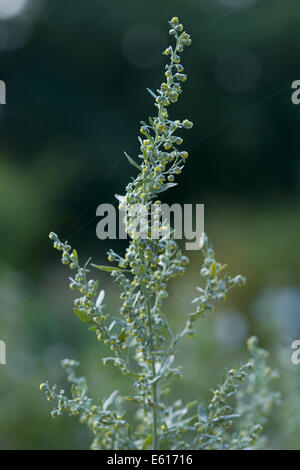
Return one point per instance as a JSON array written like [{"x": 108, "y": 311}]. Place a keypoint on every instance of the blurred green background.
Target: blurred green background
[{"x": 76, "y": 76}]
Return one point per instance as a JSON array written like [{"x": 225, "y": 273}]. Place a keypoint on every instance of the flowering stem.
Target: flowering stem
[{"x": 142, "y": 339}]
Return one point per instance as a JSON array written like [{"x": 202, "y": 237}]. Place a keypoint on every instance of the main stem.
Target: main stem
[
  {"x": 154, "y": 385},
  {"x": 155, "y": 439}
]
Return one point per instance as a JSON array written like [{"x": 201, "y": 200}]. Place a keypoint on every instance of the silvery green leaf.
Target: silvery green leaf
[
  {"x": 165, "y": 366},
  {"x": 110, "y": 399},
  {"x": 164, "y": 187},
  {"x": 100, "y": 298},
  {"x": 136, "y": 298},
  {"x": 202, "y": 414},
  {"x": 120, "y": 198},
  {"x": 133, "y": 162},
  {"x": 112, "y": 325},
  {"x": 151, "y": 93},
  {"x": 228, "y": 417},
  {"x": 156, "y": 379}
]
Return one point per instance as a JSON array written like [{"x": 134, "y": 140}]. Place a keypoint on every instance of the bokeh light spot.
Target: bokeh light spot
[
  {"x": 237, "y": 71},
  {"x": 11, "y": 8},
  {"x": 231, "y": 329}
]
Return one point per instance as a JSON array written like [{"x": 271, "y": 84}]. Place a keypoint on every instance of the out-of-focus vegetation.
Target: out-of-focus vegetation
[{"x": 76, "y": 76}]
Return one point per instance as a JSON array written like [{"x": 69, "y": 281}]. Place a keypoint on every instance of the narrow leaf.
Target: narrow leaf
[
  {"x": 133, "y": 163},
  {"x": 122, "y": 336},
  {"x": 82, "y": 315},
  {"x": 164, "y": 187},
  {"x": 165, "y": 366},
  {"x": 100, "y": 298},
  {"x": 147, "y": 442},
  {"x": 108, "y": 269},
  {"x": 213, "y": 269},
  {"x": 110, "y": 399},
  {"x": 151, "y": 93},
  {"x": 111, "y": 325},
  {"x": 135, "y": 399},
  {"x": 202, "y": 414}
]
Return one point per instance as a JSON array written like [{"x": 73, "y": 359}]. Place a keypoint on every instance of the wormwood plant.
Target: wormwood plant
[{"x": 141, "y": 341}]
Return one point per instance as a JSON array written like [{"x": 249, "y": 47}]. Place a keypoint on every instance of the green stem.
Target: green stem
[
  {"x": 154, "y": 386},
  {"x": 155, "y": 440}
]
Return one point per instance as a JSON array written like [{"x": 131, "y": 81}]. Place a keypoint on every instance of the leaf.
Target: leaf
[
  {"x": 191, "y": 404},
  {"x": 100, "y": 298},
  {"x": 82, "y": 315},
  {"x": 156, "y": 379},
  {"x": 136, "y": 299},
  {"x": 151, "y": 93},
  {"x": 116, "y": 360},
  {"x": 74, "y": 256},
  {"x": 109, "y": 269},
  {"x": 73, "y": 391},
  {"x": 136, "y": 399},
  {"x": 122, "y": 336},
  {"x": 158, "y": 406},
  {"x": 199, "y": 289},
  {"x": 213, "y": 269},
  {"x": 147, "y": 442},
  {"x": 222, "y": 268},
  {"x": 112, "y": 325},
  {"x": 120, "y": 198},
  {"x": 95, "y": 289},
  {"x": 133, "y": 163},
  {"x": 194, "y": 316},
  {"x": 110, "y": 399},
  {"x": 93, "y": 328},
  {"x": 228, "y": 417},
  {"x": 164, "y": 187},
  {"x": 165, "y": 366},
  {"x": 202, "y": 413}
]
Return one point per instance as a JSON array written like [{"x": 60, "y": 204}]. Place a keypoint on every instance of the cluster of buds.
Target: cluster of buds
[
  {"x": 220, "y": 415},
  {"x": 98, "y": 417},
  {"x": 217, "y": 285},
  {"x": 161, "y": 158},
  {"x": 89, "y": 306}
]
